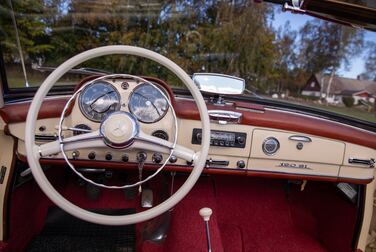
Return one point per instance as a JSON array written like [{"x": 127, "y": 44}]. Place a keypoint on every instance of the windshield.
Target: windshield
[{"x": 280, "y": 55}]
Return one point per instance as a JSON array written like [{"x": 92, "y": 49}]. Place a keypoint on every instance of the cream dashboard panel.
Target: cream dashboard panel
[
  {"x": 316, "y": 156},
  {"x": 319, "y": 157},
  {"x": 47, "y": 128},
  {"x": 315, "y": 149}
]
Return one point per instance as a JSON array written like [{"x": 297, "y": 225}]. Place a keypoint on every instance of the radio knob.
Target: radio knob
[
  {"x": 108, "y": 157},
  {"x": 125, "y": 158},
  {"x": 91, "y": 155},
  {"x": 157, "y": 158},
  {"x": 240, "y": 164},
  {"x": 199, "y": 137},
  {"x": 240, "y": 139}
]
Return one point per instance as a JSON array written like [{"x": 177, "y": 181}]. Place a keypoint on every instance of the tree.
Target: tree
[
  {"x": 325, "y": 46},
  {"x": 370, "y": 62},
  {"x": 31, "y": 30}
]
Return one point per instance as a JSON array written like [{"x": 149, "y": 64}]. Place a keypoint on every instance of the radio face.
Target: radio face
[{"x": 221, "y": 138}]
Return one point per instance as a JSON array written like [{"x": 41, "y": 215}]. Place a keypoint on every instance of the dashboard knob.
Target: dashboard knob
[
  {"x": 240, "y": 164},
  {"x": 199, "y": 137},
  {"x": 141, "y": 156},
  {"x": 125, "y": 158},
  {"x": 173, "y": 159},
  {"x": 108, "y": 156},
  {"x": 240, "y": 139},
  {"x": 75, "y": 154},
  {"x": 157, "y": 158},
  {"x": 91, "y": 155}
]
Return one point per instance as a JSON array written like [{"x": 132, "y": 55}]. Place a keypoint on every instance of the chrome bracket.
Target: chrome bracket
[
  {"x": 295, "y": 7},
  {"x": 224, "y": 116}
]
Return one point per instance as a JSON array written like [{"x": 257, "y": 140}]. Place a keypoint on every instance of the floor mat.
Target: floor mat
[{"x": 63, "y": 232}]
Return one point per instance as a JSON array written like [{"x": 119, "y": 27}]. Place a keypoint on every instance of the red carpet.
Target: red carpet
[{"x": 249, "y": 214}]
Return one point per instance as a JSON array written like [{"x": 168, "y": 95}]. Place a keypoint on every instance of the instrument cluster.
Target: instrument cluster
[{"x": 146, "y": 101}]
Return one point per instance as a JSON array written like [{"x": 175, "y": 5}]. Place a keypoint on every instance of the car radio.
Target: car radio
[{"x": 221, "y": 138}]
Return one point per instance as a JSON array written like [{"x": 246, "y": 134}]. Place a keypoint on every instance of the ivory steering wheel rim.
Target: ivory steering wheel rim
[{"x": 32, "y": 149}]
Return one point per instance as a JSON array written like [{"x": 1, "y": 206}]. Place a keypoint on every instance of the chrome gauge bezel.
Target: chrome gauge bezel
[
  {"x": 82, "y": 94},
  {"x": 276, "y": 146},
  {"x": 163, "y": 93}
]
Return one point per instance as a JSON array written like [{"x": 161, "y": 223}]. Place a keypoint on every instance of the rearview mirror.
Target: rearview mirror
[{"x": 219, "y": 83}]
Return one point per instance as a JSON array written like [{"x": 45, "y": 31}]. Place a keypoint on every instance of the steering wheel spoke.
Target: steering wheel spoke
[
  {"x": 148, "y": 142},
  {"x": 92, "y": 139}
]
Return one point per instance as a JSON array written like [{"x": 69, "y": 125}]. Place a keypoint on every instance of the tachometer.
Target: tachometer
[
  {"x": 99, "y": 99},
  {"x": 147, "y": 103}
]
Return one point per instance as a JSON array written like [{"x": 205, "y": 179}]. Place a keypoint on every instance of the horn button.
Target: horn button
[{"x": 119, "y": 129}]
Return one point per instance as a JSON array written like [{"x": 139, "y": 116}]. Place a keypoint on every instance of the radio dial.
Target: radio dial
[{"x": 240, "y": 139}]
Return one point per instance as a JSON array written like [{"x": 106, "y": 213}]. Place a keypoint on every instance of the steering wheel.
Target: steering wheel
[{"x": 131, "y": 137}]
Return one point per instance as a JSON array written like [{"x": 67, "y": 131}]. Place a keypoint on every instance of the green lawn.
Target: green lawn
[
  {"x": 355, "y": 111},
  {"x": 19, "y": 82}
]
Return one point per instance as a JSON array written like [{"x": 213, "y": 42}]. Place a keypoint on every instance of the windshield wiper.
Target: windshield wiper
[
  {"x": 251, "y": 93},
  {"x": 82, "y": 70}
]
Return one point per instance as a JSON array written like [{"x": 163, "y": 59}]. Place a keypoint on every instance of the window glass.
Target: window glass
[{"x": 279, "y": 54}]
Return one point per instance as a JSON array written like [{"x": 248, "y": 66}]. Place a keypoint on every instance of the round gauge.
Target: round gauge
[
  {"x": 99, "y": 99},
  {"x": 147, "y": 103}
]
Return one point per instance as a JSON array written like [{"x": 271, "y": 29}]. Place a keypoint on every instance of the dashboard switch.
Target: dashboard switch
[
  {"x": 125, "y": 158},
  {"x": 157, "y": 158},
  {"x": 240, "y": 164},
  {"x": 108, "y": 156},
  {"x": 91, "y": 155}
]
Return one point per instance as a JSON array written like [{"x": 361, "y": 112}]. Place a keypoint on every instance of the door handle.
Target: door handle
[
  {"x": 299, "y": 138},
  {"x": 370, "y": 162}
]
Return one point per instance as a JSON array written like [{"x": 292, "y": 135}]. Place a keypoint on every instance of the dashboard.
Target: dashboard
[{"x": 253, "y": 145}]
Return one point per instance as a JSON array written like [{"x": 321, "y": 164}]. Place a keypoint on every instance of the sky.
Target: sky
[{"x": 298, "y": 20}]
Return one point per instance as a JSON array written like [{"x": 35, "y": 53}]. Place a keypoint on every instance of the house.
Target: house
[{"x": 318, "y": 85}]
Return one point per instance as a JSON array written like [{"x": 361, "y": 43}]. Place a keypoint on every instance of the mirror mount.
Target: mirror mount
[{"x": 217, "y": 100}]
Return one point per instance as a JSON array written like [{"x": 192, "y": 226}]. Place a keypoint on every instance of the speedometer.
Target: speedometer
[
  {"x": 148, "y": 103},
  {"x": 99, "y": 99}
]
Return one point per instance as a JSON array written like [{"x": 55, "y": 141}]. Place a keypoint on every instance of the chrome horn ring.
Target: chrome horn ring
[{"x": 108, "y": 142}]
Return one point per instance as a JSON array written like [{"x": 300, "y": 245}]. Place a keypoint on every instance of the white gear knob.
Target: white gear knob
[{"x": 205, "y": 213}]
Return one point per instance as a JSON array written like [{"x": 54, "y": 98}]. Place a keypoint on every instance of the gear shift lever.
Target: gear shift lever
[{"x": 205, "y": 214}]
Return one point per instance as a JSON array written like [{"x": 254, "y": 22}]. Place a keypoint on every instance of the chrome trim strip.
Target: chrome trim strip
[
  {"x": 300, "y": 138},
  {"x": 224, "y": 115}
]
